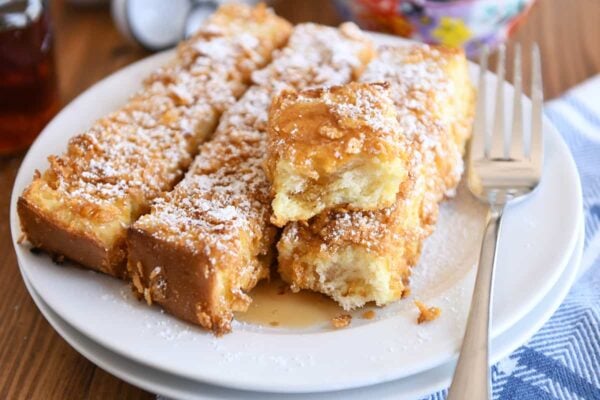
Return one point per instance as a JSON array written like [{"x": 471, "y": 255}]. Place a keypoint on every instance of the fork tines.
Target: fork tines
[{"x": 518, "y": 143}]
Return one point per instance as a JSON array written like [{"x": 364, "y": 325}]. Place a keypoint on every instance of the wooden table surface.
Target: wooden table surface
[{"x": 35, "y": 362}]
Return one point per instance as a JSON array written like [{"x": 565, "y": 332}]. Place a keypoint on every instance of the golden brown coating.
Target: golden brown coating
[
  {"x": 213, "y": 228},
  {"x": 332, "y": 147},
  {"x": 361, "y": 256},
  {"x": 83, "y": 204}
]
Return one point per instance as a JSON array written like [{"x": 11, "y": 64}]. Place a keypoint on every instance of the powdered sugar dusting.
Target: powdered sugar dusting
[
  {"x": 220, "y": 197},
  {"x": 316, "y": 56},
  {"x": 422, "y": 89},
  {"x": 367, "y": 108}
]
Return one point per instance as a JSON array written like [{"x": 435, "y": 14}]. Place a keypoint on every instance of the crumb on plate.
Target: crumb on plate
[
  {"x": 369, "y": 314},
  {"x": 426, "y": 314},
  {"x": 341, "y": 321}
]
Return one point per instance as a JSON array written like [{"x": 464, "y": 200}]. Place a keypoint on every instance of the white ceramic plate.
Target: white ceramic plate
[
  {"x": 413, "y": 387},
  {"x": 538, "y": 238}
]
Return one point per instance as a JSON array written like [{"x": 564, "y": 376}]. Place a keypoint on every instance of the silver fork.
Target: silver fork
[{"x": 502, "y": 167}]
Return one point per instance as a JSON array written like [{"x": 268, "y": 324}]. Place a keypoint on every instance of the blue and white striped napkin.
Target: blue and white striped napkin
[{"x": 562, "y": 361}]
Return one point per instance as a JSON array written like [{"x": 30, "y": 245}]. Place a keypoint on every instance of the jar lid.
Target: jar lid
[
  {"x": 19, "y": 13},
  {"x": 159, "y": 24}
]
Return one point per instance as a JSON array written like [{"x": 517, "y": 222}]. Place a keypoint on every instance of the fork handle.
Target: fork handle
[{"x": 472, "y": 375}]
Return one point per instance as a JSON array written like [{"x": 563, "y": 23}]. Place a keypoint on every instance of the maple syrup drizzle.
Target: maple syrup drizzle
[{"x": 275, "y": 305}]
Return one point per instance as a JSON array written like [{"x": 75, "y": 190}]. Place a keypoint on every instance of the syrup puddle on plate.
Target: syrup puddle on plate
[{"x": 275, "y": 305}]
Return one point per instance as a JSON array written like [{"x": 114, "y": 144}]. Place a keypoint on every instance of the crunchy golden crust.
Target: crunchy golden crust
[
  {"x": 332, "y": 147},
  {"x": 108, "y": 176},
  {"x": 175, "y": 278},
  {"x": 434, "y": 100},
  {"x": 49, "y": 235},
  {"x": 219, "y": 213},
  {"x": 319, "y": 129}
]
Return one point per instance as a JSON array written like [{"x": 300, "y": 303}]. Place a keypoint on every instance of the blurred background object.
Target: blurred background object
[
  {"x": 28, "y": 90},
  {"x": 160, "y": 24},
  {"x": 87, "y": 3},
  {"x": 458, "y": 23}
]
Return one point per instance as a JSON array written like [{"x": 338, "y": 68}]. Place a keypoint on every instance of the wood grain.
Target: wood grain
[{"x": 35, "y": 363}]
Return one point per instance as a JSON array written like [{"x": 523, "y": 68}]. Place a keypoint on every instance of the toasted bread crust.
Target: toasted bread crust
[
  {"x": 49, "y": 235},
  {"x": 177, "y": 278},
  {"x": 184, "y": 290}
]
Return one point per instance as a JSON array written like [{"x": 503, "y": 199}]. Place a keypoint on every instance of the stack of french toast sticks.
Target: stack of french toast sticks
[{"x": 255, "y": 126}]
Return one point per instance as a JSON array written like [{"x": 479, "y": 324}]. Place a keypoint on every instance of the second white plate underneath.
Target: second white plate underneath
[{"x": 410, "y": 388}]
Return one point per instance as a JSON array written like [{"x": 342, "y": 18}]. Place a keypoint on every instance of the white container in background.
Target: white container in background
[{"x": 160, "y": 24}]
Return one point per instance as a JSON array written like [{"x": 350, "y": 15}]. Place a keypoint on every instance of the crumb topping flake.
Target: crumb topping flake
[
  {"x": 369, "y": 314},
  {"x": 341, "y": 321},
  {"x": 426, "y": 314}
]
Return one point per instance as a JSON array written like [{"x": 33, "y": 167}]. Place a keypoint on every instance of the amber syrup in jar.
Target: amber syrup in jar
[{"x": 28, "y": 90}]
